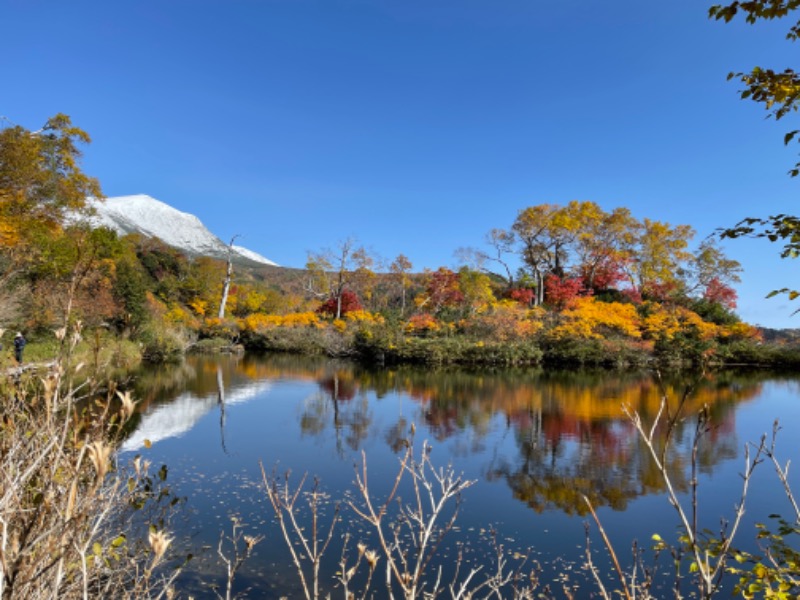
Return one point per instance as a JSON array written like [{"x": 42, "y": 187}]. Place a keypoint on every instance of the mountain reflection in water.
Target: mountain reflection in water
[{"x": 535, "y": 441}]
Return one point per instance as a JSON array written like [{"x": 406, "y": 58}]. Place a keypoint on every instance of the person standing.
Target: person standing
[{"x": 19, "y": 346}]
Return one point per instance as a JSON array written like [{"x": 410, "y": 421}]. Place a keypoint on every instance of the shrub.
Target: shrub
[
  {"x": 216, "y": 327},
  {"x": 364, "y": 317},
  {"x": 597, "y": 352},
  {"x": 300, "y": 340},
  {"x": 422, "y": 324},
  {"x": 663, "y": 324},
  {"x": 523, "y": 296},
  {"x": 508, "y": 321},
  {"x": 587, "y": 318},
  {"x": 68, "y": 509},
  {"x": 349, "y": 303},
  {"x": 162, "y": 344},
  {"x": 211, "y": 345},
  {"x": 463, "y": 351},
  {"x": 259, "y": 321}
]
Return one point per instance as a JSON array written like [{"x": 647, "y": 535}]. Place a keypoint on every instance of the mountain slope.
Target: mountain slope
[{"x": 147, "y": 216}]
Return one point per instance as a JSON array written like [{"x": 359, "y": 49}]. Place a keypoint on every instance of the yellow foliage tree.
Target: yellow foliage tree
[
  {"x": 589, "y": 318},
  {"x": 666, "y": 322},
  {"x": 476, "y": 288}
]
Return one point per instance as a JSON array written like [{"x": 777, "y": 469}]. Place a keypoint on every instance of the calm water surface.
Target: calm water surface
[{"x": 534, "y": 441}]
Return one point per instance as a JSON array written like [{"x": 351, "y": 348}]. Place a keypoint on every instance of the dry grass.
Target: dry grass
[{"x": 66, "y": 507}]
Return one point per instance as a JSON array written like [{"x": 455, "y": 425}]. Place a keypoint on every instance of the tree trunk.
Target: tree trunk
[{"x": 226, "y": 286}]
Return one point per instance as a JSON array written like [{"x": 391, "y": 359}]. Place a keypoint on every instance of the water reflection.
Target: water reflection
[
  {"x": 567, "y": 431},
  {"x": 172, "y": 399},
  {"x": 342, "y": 405}
]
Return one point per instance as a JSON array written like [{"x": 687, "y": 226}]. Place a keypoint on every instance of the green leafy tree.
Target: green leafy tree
[
  {"x": 75, "y": 277},
  {"x": 200, "y": 287},
  {"x": 130, "y": 291},
  {"x": 710, "y": 266},
  {"x": 167, "y": 267},
  {"x": 779, "y": 92}
]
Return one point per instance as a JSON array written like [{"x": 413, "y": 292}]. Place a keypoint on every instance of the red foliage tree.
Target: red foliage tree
[
  {"x": 522, "y": 295},
  {"x": 718, "y": 292},
  {"x": 607, "y": 275},
  {"x": 349, "y": 303},
  {"x": 561, "y": 292},
  {"x": 443, "y": 289},
  {"x": 661, "y": 291}
]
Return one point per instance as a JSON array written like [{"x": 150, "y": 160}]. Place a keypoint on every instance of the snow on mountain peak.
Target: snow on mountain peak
[{"x": 150, "y": 217}]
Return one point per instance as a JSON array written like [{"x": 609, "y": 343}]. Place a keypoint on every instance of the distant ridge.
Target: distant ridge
[{"x": 147, "y": 216}]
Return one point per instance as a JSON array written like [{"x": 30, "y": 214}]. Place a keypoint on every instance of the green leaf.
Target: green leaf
[{"x": 97, "y": 549}]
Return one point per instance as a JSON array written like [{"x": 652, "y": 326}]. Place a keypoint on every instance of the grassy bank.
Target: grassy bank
[
  {"x": 99, "y": 350},
  {"x": 384, "y": 344}
]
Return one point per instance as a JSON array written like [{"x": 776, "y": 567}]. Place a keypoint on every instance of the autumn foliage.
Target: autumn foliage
[
  {"x": 347, "y": 302},
  {"x": 522, "y": 295},
  {"x": 720, "y": 293},
  {"x": 589, "y": 319},
  {"x": 422, "y": 323},
  {"x": 563, "y": 292},
  {"x": 583, "y": 275}
]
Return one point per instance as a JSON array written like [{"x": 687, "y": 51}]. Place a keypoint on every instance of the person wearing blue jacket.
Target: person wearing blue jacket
[{"x": 19, "y": 346}]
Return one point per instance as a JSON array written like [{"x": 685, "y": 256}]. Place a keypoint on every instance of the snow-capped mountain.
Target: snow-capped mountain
[{"x": 150, "y": 217}]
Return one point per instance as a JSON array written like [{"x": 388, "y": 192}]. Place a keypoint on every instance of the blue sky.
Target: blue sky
[{"x": 413, "y": 125}]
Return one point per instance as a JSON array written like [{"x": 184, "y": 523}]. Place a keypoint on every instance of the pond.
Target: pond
[{"x": 534, "y": 442}]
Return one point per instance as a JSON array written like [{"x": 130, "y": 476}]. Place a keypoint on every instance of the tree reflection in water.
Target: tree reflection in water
[
  {"x": 221, "y": 403},
  {"x": 570, "y": 433},
  {"x": 339, "y": 404}
]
